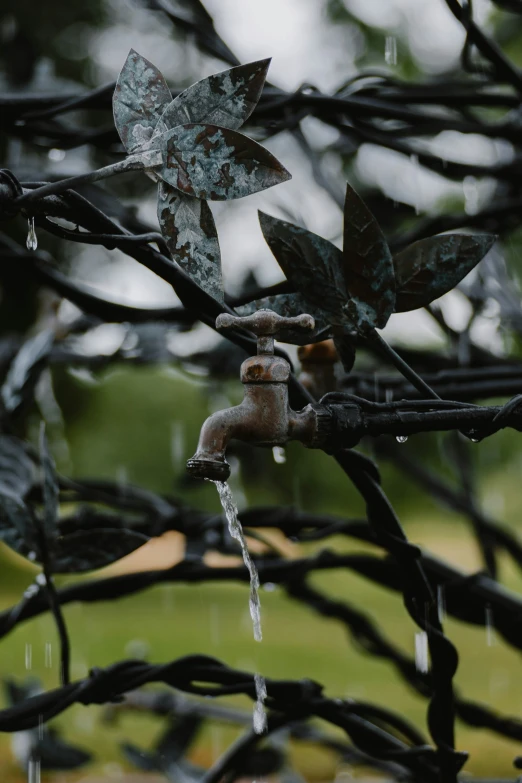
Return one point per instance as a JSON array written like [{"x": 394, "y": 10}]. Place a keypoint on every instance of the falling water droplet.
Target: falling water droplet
[
  {"x": 33, "y": 771},
  {"x": 390, "y": 50},
  {"x": 177, "y": 443},
  {"x": 260, "y": 723},
  {"x": 401, "y": 438},
  {"x": 441, "y": 603},
  {"x": 388, "y": 395},
  {"x": 236, "y": 531},
  {"x": 269, "y": 587},
  {"x": 215, "y": 636},
  {"x": 471, "y": 197},
  {"x": 28, "y": 656},
  {"x": 31, "y": 241},
  {"x": 56, "y": 155},
  {"x": 490, "y": 629},
  {"x": 48, "y": 655},
  {"x": 279, "y": 454},
  {"x": 421, "y": 652}
]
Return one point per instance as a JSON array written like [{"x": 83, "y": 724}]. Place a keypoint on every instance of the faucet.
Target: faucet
[{"x": 264, "y": 417}]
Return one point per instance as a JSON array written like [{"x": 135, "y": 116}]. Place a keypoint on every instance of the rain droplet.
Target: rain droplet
[
  {"x": 401, "y": 438},
  {"x": 472, "y": 435},
  {"x": 138, "y": 649},
  {"x": 260, "y": 723},
  {"x": 28, "y": 656},
  {"x": 56, "y": 155},
  {"x": 33, "y": 771},
  {"x": 31, "y": 241},
  {"x": 48, "y": 655},
  {"x": 421, "y": 652},
  {"x": 270, "y": 587},
  {"x": 471, "y": 197},
  {"x": 279, "y": 454},
  {"x": 441, "y": 603},
  {"x": 490, "y": 630},
  {"x": 390, "y": 50}
]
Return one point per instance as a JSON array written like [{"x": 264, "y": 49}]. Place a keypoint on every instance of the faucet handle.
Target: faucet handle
[{"x": 265, "y": 323}]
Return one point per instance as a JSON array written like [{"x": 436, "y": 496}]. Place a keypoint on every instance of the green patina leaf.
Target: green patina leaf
[
  {"x": 431, "y": 267},
  {"x": 368, "y": 266},
  {"x": 217, "y": 163}
]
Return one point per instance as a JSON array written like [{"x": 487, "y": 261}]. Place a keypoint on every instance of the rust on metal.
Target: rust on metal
[{"x": 264, "y": 417}]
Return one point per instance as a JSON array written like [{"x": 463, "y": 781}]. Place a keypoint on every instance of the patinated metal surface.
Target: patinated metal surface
[
  {"x": 288, "y": 306},
  {"x": 264, "y": 417},
  {"x": 368, "y": 266},
  {"x": 226, "y": 99},
  {"x": 429, "y": 268},
  {"x": 140, "y": 97},
  {"x": 311, "y": 263},
  {"x": 189, "y": 229},
  {"x": 200, "y": 153},
  {"x": 216, "y": 163}
]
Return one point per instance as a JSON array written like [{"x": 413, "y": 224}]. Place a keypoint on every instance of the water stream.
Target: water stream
[{"x": 236, "y": 531}]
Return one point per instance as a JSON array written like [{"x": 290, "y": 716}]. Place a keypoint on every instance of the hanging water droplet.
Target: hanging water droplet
[
  {"x": 472, "y": 435},
  {"x": 390, "y": 50},
  {"x": 32, "y": 240},
  {"x": 260, "y": 722},
  {"x": 441, "y": 603},
  {"x": 28, "y": 656},
  {"x": 279, "y": 454},
  {"x": 48, "y": 655},
  {"x": 421, "y": 652},
  {"x": 401, "y": 438},
  {"x": 490, "y": 629}
]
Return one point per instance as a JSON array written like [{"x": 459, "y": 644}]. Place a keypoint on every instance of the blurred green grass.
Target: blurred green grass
[{"x": 129, "y": 422}]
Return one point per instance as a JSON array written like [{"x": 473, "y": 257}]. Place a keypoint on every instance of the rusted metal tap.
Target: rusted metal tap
[{"x": 264, "y": 417}]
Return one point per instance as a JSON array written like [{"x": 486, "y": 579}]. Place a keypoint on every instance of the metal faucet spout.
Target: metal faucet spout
[{"x": 264, "y": 417}]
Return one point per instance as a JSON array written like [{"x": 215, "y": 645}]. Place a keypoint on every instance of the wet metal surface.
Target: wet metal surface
[
  {"x": 193, "y": 145},
  {"x": 429, "y": 268},
  {"x": 264, "y": 417},
  {"x": 368, "y": 265},
  {"x": 189, "y": 229},
  {"x": 140, "y": 97}
]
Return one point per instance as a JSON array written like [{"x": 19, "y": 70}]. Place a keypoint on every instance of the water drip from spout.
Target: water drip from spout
[{"x": 236, "y": 531}]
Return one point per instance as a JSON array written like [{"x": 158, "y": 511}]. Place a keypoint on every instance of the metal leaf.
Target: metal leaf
[
  {"x": 226, "y": 99},
  {"x": 312, "y": 264},
  {"x": 430, "y": 267},
  {"x": 140, "y": 97},
  {"x": 25, "y": 368},
  {"x": 290, "y": 305},
  {"x": 216, "y": 163},
  {"x": 188, "y": 227},
  {"x": 368, "y": 265},
  {"x": 17, "y": 476},
  {"x": 87, "y": 550},
  {"x": 50, "y": 487}
]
